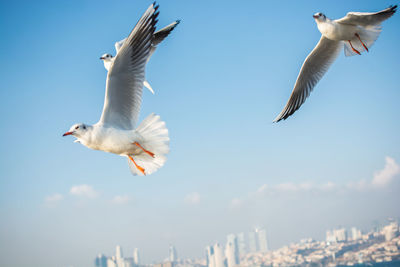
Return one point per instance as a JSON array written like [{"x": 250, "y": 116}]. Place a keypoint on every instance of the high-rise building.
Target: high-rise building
[
  {"x": 233, "y": 250},
  {"x": 262, "y": 240},
  {"x": 231, "y": 255},
  {"x": 100, "y": 261},
  {"x": 118, "y": 252},
  {"x": 111, "y": 262},
  {"x": 336, "y": 235},
  {"x": 253, "y": 242},
  {"x": 136, "y": 258},
  {"x": 219, "y": 256},
  {"x": 173, "y": 257},
  {"x": 390, "y": 231},
  {"x": 241, "y": 244},
  {"x": 355, "y": 233},
  {"x": 210, "y": 257}
]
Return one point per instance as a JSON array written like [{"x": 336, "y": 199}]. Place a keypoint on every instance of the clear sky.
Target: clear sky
[{"x": 220, "y": 79}]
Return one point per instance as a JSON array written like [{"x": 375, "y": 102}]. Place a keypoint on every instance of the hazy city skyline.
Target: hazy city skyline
[{"x": 220, "y": 79}]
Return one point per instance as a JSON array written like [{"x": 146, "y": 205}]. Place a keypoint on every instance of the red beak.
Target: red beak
[
  {"x": 67, "y": 133},
  {"x": 315, "y": 16}
]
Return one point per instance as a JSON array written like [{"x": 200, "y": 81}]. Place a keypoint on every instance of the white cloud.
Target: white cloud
[
  {"x": 386, "y": 175},
  {"x": 83, "y": 190},
  {"x": 53, "y": 199},
  {"x": 119, "y": 200},
  {"x": 192, "y": 198},
  {"x": 380, "y": 179}
]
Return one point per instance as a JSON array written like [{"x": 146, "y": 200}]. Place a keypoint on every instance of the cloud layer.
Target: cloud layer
[
  {"x": 381, "y": 179},
  {"x": 83, "y": 190}
]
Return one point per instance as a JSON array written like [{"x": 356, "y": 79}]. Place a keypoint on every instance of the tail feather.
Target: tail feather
[{"x": 155, "y": 139}]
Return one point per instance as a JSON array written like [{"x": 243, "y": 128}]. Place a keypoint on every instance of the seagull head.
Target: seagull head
[
  {"x": 106, "y": 57},
  {"x": 78, "y": 130},
  {"x": 319, "y": 17}
]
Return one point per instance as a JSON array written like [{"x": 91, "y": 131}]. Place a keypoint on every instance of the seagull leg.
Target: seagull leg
[
  {"x": 151, "y": 154},
  {"x": 355, "y": 50},
  {"x": 358, "y": 36},
  {"x": 137, "y": 166}
]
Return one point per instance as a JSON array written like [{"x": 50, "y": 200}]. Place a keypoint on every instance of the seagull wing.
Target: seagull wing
[
  {"x": 368, "y": 19},
  {"x": 314, "y": 67},
  {"x": 119, "y": 44},
  {"x": 160, "y": 35},
  {"x": 127, "y": 74}
]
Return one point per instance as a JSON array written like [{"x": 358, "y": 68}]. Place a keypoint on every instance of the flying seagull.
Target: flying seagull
[
  {"x": 357, "y": 31},
  {"x": 158, "y": 37},
  {"x": 146, "y": 146}
]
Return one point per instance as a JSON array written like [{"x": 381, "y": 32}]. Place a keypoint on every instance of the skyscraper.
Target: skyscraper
[
  {"x": 231, "y": 254},
  {"x": 136, "y": 259},
  {"x": 118, "y": 252},
  {"x": 241, "y": 244},
  {"x": 173, "y": 257},
  {"x": 219, "y": 256},
  {"x": 262, "y": 240},
  {"x": 355, "y": 233},
  {"x": 233, "y": 249},
  {"x": 210, "y": 257},
  {"x": 253, "y": 242},
  {"x": 101, "y": 261}
]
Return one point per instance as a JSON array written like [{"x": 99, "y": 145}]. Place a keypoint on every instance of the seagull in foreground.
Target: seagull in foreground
[
  {"x": 146, "y": 146},
  {"x": 158, "y": 37},
  {"x": 357, "y": 31}
]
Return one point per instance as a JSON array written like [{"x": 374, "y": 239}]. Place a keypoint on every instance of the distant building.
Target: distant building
[
  {"x": 231, "y": 252},
  {"x": 111, "y": 262},
  {"x": 100, "y": 261},
  {"x": 241, "y": 244},
  {"x": 355, "y": 233},
  {"x": 210, "y": 257},
  {"x": 262, "y": 240},
  {"x": 219, "y": 256},
  {"x": 336, "y": 235},
  {"x": 232, "y": 241},
  {"x": 173, "y": 256},
  {"x": 253, "y": 242},
  {"x": 390, "y": 231},
  {"x": 136, "y": 258}
]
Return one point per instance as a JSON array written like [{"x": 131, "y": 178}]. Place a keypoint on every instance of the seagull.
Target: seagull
[
  {"x": 146, "y": 146},
  {"x": 357, "y": 31},
  {"x": 158, "y": 37}
]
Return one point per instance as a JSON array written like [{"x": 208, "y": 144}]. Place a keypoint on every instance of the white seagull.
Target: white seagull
[
  {"x": 146, "y": 146},
  {"x": 158, "y": 37},
  {"x": 357, "y": 31}
]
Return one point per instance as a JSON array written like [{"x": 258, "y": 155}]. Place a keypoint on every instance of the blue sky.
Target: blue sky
[{"x": 220, "y": 79}]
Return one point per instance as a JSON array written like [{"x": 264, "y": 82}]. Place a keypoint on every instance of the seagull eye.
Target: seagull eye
[{"x": 77, "y": 127}]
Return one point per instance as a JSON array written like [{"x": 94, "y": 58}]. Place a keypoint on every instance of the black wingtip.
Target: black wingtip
[{"x": 177, "y": 21}]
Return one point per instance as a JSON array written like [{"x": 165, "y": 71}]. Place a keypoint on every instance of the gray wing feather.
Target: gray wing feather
[
  {"x": 314, "y": 67},
  {"x": 160, "y": 35},
  {"x": 368, "y": 19},
  {"x": 125, "y": 79}
]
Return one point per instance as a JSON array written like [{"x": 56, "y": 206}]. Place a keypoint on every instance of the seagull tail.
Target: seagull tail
[
  {"x": 155, "y": 140},
  {"x": 368, "y": 36}
]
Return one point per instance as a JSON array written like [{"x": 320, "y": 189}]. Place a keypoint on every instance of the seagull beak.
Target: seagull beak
[
  {"x": 102, "y": 58},
  {"x": 315, "y": 16},
  {"x": 67, "y": 133}
]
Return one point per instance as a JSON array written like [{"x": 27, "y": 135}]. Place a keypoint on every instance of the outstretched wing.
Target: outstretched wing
[
  {"x": 314, "y": 67},
  {"x": 160, "y": 35},
  {"x": 368, "y": 19},
  {"x": 125, "y": 78}
]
